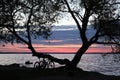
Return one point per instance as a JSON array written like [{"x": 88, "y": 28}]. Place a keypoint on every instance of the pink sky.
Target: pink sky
[
  {"x": 64, "y": 48},
  {"x": 65, "y": 39}
]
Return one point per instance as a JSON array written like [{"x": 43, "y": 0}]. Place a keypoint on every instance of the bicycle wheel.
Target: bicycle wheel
[
  {"x": 42, "y": 65},
  {"x": 51, "y": 64},
  {"x": 36, "y": 64}
]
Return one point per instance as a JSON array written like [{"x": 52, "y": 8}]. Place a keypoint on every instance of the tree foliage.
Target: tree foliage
[
  {"x": 22, "y": 19},
  {"x": 103, "y": 15}
]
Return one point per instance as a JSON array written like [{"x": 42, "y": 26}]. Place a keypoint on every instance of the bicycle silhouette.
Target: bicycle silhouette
[{"x": 44, "y": 63}]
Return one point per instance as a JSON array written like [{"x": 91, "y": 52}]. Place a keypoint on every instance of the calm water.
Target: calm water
[{"x": 106, "y": 64}]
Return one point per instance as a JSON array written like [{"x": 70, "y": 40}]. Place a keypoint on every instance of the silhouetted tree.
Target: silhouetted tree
[
  {"x": 104, "y": 14},
  {"x": 21, "y": 20}
]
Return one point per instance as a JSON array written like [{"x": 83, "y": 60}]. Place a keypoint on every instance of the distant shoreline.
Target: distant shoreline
[{"x": 52, "y": 53}]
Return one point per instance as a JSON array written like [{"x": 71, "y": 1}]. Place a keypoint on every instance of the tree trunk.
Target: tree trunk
[
  {"x": 43, "y": 55},
  {"x": 69, "y": 64},
  {"x": 32, "y": 49},
  {"x": 78, "y": 55}
]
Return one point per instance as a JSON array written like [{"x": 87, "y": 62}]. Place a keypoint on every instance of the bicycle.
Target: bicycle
[{"x": 44, "y": 63}]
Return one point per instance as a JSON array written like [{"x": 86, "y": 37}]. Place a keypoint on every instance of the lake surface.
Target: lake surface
[{"x": 103, "y": 63}]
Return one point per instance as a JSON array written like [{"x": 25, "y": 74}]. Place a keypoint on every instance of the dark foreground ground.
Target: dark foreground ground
[{"x": 13, "y": 72}]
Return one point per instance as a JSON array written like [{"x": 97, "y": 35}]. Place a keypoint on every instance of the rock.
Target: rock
[{"x": 28, "y": 62}]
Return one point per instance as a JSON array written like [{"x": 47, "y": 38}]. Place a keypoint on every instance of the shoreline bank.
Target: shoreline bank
[{"x": 61, "y": 73}]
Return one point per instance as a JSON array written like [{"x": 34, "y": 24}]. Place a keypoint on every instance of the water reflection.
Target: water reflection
[{"x": 106, "y": 64}]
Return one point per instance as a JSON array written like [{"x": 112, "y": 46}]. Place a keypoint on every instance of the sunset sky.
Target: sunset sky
[
  {"x": 61, "y": 48},
  {"x": 64, "y": 39}
]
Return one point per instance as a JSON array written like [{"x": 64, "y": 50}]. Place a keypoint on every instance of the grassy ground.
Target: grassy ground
[{"x": 17, "y": 73}]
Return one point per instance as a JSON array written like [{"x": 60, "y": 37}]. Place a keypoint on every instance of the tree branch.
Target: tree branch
[
  {"x": 107, "y": 43},
  {"x": 60, "y": 61},
  {"x": 95, "y": 37},
  {"x": 28, "y": 27},
  {"x": 85, "y": 4},
  {"x": 79, "y": 16},
  {"x": 14, "y": 32},
  {"x": 72, "y": 14}
]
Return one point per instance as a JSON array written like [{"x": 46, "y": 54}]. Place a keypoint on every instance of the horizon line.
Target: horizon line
[{"x": 59, "y": 53}]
